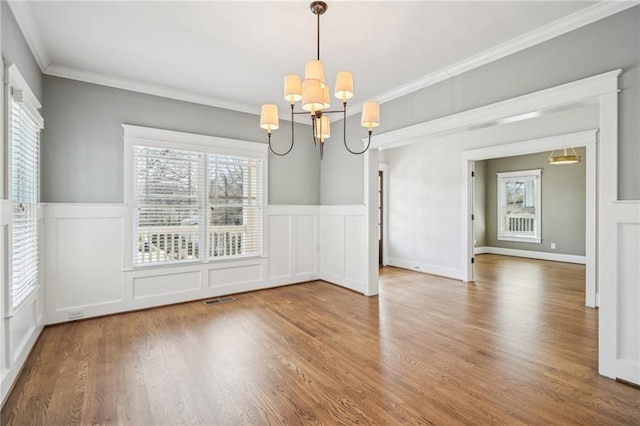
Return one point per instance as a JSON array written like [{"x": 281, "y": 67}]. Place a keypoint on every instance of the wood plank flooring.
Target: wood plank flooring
[{"x": 516, "y": 347}]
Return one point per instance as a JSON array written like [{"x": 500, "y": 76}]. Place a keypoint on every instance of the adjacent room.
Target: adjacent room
[{"x": 294, "y": 212}]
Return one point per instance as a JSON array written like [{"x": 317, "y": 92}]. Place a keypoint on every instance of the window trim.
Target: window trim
[
  {"x": 502, "y": 234},
  {"x": 148, "y": 136}
]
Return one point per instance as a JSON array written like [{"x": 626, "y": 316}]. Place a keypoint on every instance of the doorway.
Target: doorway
[
  {"x": 579, "y": 139},
  {"x": 601, "y": 89}
]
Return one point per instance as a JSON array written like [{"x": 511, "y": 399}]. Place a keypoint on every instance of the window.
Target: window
[
  {"x": 519, "y": 206},
  {"x": 195, "y": 204},
  {"x": 24, "y": 127}
]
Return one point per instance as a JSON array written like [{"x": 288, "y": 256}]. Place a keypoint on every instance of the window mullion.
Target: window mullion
[{"x": 207, "y": 209}]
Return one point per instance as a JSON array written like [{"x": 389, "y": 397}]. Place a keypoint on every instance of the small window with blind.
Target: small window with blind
[
  {"x": 519, "y": 206},
  {"x": 24, "y": 127},
  {"x": 194, "y": 204}
]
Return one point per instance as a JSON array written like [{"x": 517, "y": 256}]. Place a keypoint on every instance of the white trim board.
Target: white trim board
[
  {"x": 554, "y": 257},
  {"x": 584, "y": 17}
]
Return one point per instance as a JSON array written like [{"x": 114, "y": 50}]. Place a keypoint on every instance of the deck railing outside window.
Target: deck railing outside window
[{"x": 167, "y": 243}]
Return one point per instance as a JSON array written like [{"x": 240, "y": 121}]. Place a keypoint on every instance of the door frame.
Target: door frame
[
  {"x": 585, "y": 139},
  {"x": 384, "y": 168}
]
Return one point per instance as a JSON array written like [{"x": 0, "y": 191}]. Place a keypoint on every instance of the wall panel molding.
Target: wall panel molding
[
  {"x": 345, "y": 246},
  {"x": 621, "y": 237},
  {"x": 86, "y": 244}
]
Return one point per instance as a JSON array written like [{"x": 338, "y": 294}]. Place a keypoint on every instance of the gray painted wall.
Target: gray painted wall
[
  {"x": 480, "y": 204},
  {"x": 16, "y": 50},
  {"x": 605, "y": 45},
  {"x": 82, "y": 153},
  {"x": 563, "y": 191}
]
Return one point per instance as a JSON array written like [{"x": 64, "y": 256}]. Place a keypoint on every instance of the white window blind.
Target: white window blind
[
  {"x": 168, "y": 191},
  {"x": 235, "y": 200},
  {"x": 24, "y": 159}
]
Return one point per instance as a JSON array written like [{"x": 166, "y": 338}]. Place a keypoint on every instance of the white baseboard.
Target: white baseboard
[
  {"x": 425, "y": 268},
  {"x": 556, "y": 257},
  {"x": 628, "y": 370}
]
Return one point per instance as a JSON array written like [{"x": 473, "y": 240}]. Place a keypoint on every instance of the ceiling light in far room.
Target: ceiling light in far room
[
  {"x": 565, "y": 158},
  {"x": 313, "y": 91}
]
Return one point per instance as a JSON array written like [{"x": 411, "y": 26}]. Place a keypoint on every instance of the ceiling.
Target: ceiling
[{"x": 234, "y": 54}]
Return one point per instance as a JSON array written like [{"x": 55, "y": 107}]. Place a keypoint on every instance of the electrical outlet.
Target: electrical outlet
[
  {"x": 78, "y": 313},
  {"x": 553, "y": 246}
]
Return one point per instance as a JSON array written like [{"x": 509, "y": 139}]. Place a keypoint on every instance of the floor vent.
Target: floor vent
[{"x": 219, "y": 300}]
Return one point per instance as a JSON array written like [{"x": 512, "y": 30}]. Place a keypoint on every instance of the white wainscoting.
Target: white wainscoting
[
  {"x": 623, "y": 269},
  {"x": 20, "y": 327},
  {"x": 86, "y": 244},
  {"x": 345, "y": 246},
  {"x": 293, "y": 244}
]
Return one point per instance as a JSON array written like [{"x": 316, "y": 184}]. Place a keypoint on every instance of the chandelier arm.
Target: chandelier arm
[
  {"x": 344, "y": 134},
  {"x": 292, "y": 138},
  {"x": 314, "y": 127}
]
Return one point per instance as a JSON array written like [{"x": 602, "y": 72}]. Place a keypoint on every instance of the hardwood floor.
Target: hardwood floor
[{"x": 516, "y": 347}]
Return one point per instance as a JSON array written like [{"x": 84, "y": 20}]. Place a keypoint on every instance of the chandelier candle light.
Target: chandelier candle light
[{"x": 313, "y": 91}]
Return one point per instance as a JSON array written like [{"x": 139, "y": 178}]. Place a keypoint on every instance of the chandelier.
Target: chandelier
[
  {"x": 565, "y": 158},
  {"x": 313, "y": 91}
]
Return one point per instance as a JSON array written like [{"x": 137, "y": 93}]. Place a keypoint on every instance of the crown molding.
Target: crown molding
[
  {"x": 27, "y": 25},
  {"x": 146, "y": 88},
  {"x": 156, "y": 90},
  {"x": 562, "y": 26}
]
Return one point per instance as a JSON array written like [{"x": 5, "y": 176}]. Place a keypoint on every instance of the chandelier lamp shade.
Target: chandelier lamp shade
[
  {"x": 565, "y": 158},
  {"x": 313, "y": 93}
]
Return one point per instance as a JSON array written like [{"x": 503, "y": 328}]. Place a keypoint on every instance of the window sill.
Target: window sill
[
  {"x": 193, "y": 262},
  {"x": 517, "y": 239}
]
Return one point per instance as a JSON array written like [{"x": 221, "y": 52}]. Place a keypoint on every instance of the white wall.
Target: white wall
[{"x": 425, "y": 183}]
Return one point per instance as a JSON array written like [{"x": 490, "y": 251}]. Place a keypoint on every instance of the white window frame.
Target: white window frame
[
  {"x": 505, "y": 234},
  {"x": 147, "y": 136},
  {"x": 17, "y": 87}
]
